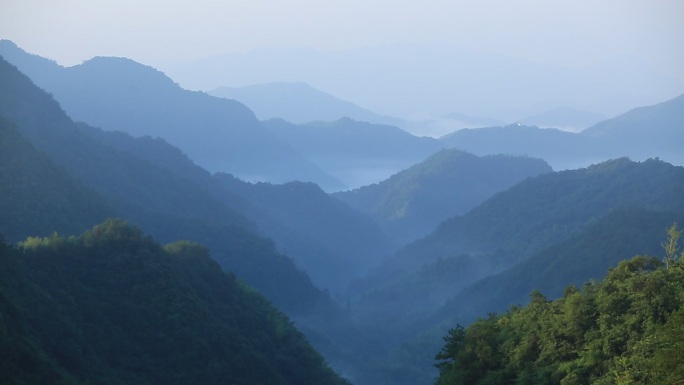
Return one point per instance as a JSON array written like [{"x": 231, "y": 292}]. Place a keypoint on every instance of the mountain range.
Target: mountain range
[
  {"x": 411, "y": 203},
  {"x": 113, "y": 306},
  {"x": 544, "y": 233},
  {"x": 641, "y": 133},
  {"x": 118, "y": 94},
  {"x": 419, "y": 81},
  {"x": 298, "y": 103},
  {"x": 357, "y": 153},
  {"x": 493, "y": 228}
]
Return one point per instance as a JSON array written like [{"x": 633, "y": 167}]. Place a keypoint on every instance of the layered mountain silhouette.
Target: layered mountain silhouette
[
  {"x": 547, "y": 209},
  {"x": 641, "y": 133},
  {"x": 218, "y": 134},
  {"x": 651, "y": 131},
  {"x": 357, "y": 153},
  {"x": 405, "y": 80},
  {"x": 168, "y": 205},
  {"x": 298, "y": 103},
  {"x": 586, "y": 256},
  {"x": 545, "y": 232},
  {"x": 411, "y": 203},
  {"x": 495, "y": 226},
  {"x": 513, "y": 226},
  {"x": 562, "y": 149},
  {"x": 332, "y": 242},
  {"x": 155, "y": 186}
]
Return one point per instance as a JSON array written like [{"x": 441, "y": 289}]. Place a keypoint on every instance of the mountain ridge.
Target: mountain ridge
[
  {"x": 298, "y": 102},
  {"x": 218, "y": 134}
]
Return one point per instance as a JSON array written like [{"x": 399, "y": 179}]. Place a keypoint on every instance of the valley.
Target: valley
[{"x": 328, "y": 249}]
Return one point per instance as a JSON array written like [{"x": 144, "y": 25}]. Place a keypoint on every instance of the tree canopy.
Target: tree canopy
[{"x": 625, "y": 329}]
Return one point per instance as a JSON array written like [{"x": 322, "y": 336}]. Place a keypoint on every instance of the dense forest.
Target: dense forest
[
  {"x": 114, "y": 306},
  {"x": 625, "y": 329},
  {"x": 270, "y": 262}
]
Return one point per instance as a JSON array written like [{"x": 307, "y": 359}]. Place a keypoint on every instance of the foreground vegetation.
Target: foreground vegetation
[
  {"x": 625, "y": 329},
  {"x": 112, "y": 306}
]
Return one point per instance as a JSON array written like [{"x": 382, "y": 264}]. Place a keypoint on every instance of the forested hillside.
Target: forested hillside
[
  {"x": 168, "y": 205},
  {"x": 330, "y": 241},
  {"x": 38, "y": 196},
  {"x": 411, "y": 203},
  {"x": 546, "y": 232},
  {"x": 540, "y": 211},
  {"x": 120, "y": 94},
  {"x": 625, "y": 329},
  {"x": 114, "y": 306},
  {"x": 494, "y": 228},
  {"x": 601, "y": 245},
  {"x": 152, "y": 185}
]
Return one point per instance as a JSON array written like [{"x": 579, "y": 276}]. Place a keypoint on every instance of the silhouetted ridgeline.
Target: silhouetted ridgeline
[
  {"x": 120, "y": 94},
  {"x": 411, "y": 203}
]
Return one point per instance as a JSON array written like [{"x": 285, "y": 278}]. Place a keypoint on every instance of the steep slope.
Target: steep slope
[
  {"x": 298, "y": 103},
  {"x": 411, "y": 203},
  {"x": 507, "y": 229},
  {"x": 549, "y": 231},
  {"x": 584, "y": 257},
  {"x": 154, "y": 186},
  {"x": 625, "y": 328},
  {"x": 218, "y": 134},
  {"x": 550, "y": 208},
  {"x": 342, "y": 244},
  {"x": 165, "y": 204},
  {"x": 357, "y": 153},
  {"x": 40, "y": 197},
  {"x": 113, "y": 306}
]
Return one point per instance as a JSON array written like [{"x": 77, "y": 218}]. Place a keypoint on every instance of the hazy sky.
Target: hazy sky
[{"x": 573, "y": 32}]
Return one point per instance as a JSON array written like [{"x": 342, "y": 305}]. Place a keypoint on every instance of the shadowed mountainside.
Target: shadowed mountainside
[
  {"x": 218, "y": 134},
  {"x": 411, "y": 203},
  {"x": 114, "y": 306}
]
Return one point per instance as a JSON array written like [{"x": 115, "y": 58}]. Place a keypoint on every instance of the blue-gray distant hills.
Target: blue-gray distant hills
[
  {"x": 298, "y": 102},
  {"x": 565, "y": 118},
  {"x": 357, "y": 153},
  {"x": 218, "y": 134},
  {"x": 646, "y": 132}
]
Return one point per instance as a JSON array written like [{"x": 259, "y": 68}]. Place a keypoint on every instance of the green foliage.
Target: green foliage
[
  {"x": 38, "y": 196},
  {"x": 671, "y": 246},
  {"x": 625, "y": 329},
  {"x": 46, "y": 156},
  {"x": 411, "y": 203},
  {"x": 113, "y": 306}
]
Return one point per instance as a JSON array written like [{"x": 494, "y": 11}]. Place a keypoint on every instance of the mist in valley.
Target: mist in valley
[{"x": 360, "y": 194}]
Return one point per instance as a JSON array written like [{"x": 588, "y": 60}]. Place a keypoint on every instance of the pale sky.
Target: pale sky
[{"x": 159, "y": 32}]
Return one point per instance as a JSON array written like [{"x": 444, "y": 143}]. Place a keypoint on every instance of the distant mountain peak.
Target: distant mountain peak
[
  {"x": 123, "y": 69},
  {"x": 298, "y": 102}
]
